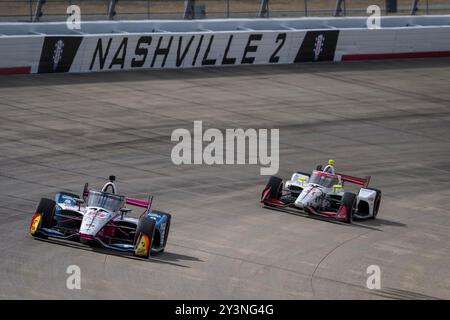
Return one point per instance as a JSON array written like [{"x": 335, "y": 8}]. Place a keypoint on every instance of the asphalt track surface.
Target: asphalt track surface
[{"x": 387, "y": 119}]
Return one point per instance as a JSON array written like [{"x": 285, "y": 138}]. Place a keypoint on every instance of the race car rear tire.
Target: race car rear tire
[
  {"x": 276, "y": 185},
  {"x": 46, "y": 208},
  {"x": 349, "y": 200},
  {"x": 377, "y": 202},
  {"x": 144, "y": 237}
]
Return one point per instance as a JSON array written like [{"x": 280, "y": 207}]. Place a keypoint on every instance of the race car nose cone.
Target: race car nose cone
[{"x": 309, "y": 197}]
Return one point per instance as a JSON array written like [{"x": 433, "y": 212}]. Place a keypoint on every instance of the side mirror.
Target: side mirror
[
  {"x": 79, "y": 202},
  {"x": 85, "y": 191},
  {"x": 124, "y": 211}
]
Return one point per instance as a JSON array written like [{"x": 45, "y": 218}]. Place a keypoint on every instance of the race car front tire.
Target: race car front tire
[
  {"x": 275, "y": 185},
  {"x": 46, "y": 211},
  {"x": 144, "y": 237},
  {"x": 349, "y": 200},
  {"x": 166, "y": 233}
]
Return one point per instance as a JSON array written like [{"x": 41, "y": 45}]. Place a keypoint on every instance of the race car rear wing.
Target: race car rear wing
[
  {"x": 361, "y": 181},
  {"x": 139, "y": 202}
]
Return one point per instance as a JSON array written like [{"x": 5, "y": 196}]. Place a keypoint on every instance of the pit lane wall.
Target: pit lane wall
[{"x": 107, "y": 46}]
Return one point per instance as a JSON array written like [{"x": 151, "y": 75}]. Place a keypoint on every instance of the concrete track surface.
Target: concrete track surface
[{"x": 390, "y": 120}]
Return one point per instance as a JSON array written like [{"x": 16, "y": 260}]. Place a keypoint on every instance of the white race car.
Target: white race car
[{"x": 322, "y": 193}]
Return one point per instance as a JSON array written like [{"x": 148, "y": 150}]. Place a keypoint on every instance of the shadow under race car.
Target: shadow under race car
[
  {"x": 322, "y": 193},
  {"x": 100, "y": 217}
]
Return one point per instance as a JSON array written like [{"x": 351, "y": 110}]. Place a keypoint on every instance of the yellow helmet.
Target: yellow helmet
[{"x": 331, "y": 162}]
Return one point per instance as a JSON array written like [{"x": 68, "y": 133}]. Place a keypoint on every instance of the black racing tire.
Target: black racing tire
[
  {"x": 166, "y": 233},
  {"x": 377, "y": 202},
  {"x": 46, "y": 208},
  {"x": 349, "y": 200},
  {"x": 145, "y": 226},
  {"x": 276, "y": 186}
]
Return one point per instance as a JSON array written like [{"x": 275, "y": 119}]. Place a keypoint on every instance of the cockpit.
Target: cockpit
[
  {"x": 105, "y": 200},
  {"x": 324, "y": 179}
]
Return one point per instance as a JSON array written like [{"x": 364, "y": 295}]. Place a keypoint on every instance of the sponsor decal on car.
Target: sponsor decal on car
[
  {"x": 143, "y": 245},
  {"x": 35, "y": 223}
]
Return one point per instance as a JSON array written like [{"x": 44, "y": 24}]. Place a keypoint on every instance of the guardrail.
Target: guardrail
[
  {"x": 55, "y": 10},
  {"x": 128, "y": 45}
]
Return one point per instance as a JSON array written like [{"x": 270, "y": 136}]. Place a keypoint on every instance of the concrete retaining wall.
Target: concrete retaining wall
[{"x": 125, "y": 45}]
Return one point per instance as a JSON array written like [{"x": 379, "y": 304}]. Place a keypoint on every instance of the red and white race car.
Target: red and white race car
[
  {"x": 100, "y": 217},
  {"x": 322, "y": 193}
]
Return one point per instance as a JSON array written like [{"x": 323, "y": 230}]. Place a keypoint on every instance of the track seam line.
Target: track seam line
[{"x": 328, "y": 254}]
